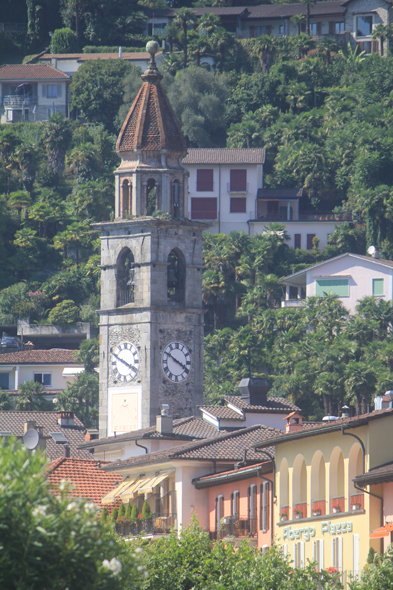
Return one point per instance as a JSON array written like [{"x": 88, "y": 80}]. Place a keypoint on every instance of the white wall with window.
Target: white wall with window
[{"x": 52, "y": 377}]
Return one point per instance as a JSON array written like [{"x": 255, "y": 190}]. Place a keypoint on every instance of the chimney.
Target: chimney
[
  {"x": 164, "y": 422},
  {"x": 254, "y": 390},
  {"x": 345, "y": 412},
  {"x": 376, "y": 253},
  {"x": 91, "y": 434},
  {"x": 67, "y": 451},
  {"x": 294, "y": 422},
  {"x": 389, "y": 397},
  {"x": 65, "y": 418},
  {"x": 29, "y": 345},
  {"x": 29, "y": 425},
  {"x": 378, "y": 401}
]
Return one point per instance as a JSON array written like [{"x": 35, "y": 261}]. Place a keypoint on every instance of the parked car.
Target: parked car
[{"x": 11, "y": 342}]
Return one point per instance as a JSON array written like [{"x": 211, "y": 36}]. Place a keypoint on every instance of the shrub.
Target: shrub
[
  {"x": 64, "y": 314},
  {"x": 104, "y": 514},
  {"x": 64, "y": 41},
  {"x": 146, "y": 510},
  {"x": 121, "y": 511},
  {"x": 114, "y": 515},
  {"x": 134, "y": 512}
]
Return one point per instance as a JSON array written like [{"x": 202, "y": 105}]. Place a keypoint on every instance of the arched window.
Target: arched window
[
  {"x": 318, "y": 485},
  {"x": 284, "y": 488},
  {"x": 337, "y": 482},
  {"x": 151, "y": 197},
  {"x": 355, "y": 467},
  {"x": 176, "y": 277},
  {"x": 125, "y": 278},
  {"x": 126, "y": 200},
  {"x": 176, "y": 199},
  {"x": 299, "y": 485}
]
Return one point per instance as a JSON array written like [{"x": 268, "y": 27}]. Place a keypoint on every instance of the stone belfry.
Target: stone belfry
[{"x": 151, "y": 317}]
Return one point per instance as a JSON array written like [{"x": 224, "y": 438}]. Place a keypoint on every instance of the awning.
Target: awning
[
  {"x": 132, "y": 490},
  {"x": 110, "y": 498},
  {"x": 383, "y": 531},
  {"x": 72, "y": 371},
  {"x": 152, "y": 482}
]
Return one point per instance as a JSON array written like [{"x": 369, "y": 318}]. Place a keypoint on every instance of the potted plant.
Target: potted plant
[
  {"x": 147, "y": 517},
  {"x": 135, "y": 520},
  {"x": 316, "y": 512},
  {"x": 297, "y": 513},
  {"x": 336, "y": 509},
  {"x": 283, "y": 515},
  {"x": 355, "y": 506}
]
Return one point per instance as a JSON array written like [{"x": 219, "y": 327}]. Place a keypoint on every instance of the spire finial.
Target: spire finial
[{"x": 152, "y": 72}]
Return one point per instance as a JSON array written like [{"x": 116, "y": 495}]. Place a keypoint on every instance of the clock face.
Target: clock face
[
  {"x": 125, "y": 361},
  {"x": 176, "y": 362}
]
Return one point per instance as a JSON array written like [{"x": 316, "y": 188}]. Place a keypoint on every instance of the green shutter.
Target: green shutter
[
  {"x": 378, "y": 287},
  {"x": 339, "y": 287}
]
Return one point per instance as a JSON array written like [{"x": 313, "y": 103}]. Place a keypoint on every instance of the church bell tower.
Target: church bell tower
[{"x": 151, "y": 317}]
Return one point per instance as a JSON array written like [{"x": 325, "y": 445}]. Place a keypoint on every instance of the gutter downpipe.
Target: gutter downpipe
[
  {"x": 274, "y": 498},
  {"x": 363, "y": 490},
  {"x": 141, "y": 446}
]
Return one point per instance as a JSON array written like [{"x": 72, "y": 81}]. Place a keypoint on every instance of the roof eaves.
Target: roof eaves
[{"x": 229, "y": 477}]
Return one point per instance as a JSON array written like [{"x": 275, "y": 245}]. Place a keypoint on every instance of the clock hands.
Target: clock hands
[
  {"x": 124, "y": 362},
  {"x": 177, "y": 361}
]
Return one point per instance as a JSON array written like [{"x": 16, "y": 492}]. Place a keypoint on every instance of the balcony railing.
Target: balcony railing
[
  {"x": 293, "y": 302},
  {"x": 235, "y": 526},
  {"x": 206, "y": 215},
  {"x": 322, "y": 216},
  {"x": 158, "y": 524},
  {"x": 19, "y": 101}
]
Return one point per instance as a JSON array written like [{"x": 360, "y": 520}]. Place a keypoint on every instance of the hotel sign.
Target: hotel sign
[{"x": 305, "y": 533}]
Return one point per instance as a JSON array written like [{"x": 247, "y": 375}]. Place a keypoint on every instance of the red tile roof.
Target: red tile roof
[
  {"x": 225, "y": 156},
  {"x": 89, "y": 481},
  {"x": 43, "y": 357},
  {"x": 26, "y": 72}
]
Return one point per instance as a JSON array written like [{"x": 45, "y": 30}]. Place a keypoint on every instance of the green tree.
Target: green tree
[
  {"x": 64, "y": 314},
  {"x": 5, "y": 401},
  {"x": 56, "y": 134},
  {"x": 30, "y": 397},
  {"x": 183, "y": 19},
  {"x": 298, "y": 20},
  {"x": 39, "y": 526},
  {"x": 64, "y": 41},
  {"x": 97, "y": 90},
  {"x": 380, "y": 32}
]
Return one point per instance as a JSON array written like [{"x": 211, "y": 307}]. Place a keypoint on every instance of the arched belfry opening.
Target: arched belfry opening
[
  {"x": 176, "y": 209},
  {"x": 126, "y": 199},
  {"x": 151, "y": 196},
  {"x": 125, "y": 278},
  {"x": 176, "y": 277}
]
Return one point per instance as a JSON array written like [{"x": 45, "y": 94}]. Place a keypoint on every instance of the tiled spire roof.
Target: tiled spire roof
[{"x": 151, "y": 124}]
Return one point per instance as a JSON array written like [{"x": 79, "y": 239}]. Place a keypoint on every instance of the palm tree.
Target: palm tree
[
  {"x": 263, "y": 49},
  {"x": 308, "y": 4},
  {"x": 172, "y": 33},
  {"x": 183, "y": 19},
  {"x": 221, "y": 40},
  {"x": 208, "y": 24},
  {"x": 26, "y": 157},
  {"x": 327, "y": 45},
  {"x": 360, "y": 381},
  {"x": 26, "y": 238},
  {"x": 380, "y": 32},
  {"x": 298, "y": 20},
  {"x": 19, "y": 200},
  {"x": 57, "y": 136}
]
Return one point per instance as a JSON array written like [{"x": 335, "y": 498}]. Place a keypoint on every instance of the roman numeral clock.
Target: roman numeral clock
[{"x": 151, "y": 316}]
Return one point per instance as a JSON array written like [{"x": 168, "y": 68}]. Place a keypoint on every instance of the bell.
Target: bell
[
  {"x": 172, "y": 278},
  {"x": 131, "y": 280}
]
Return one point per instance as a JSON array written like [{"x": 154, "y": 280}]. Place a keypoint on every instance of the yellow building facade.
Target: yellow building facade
[{"x": 320, "y": 513}]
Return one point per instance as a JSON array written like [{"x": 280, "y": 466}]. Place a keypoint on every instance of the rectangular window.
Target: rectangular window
[
  {"x": 310, "y": 238},
  {"x": 281, "y": 29},
  {"x": 313, "y": 28},
  {"x": 364, "y": 25},
  {"x": 337, "y": 553},
  {"x": 339, "y": 287},
  {"x": 51, "y": 91},
  {"x": 339, "y": 28},
  {"x": 204, "y": 180},
  {"x": 298, "y": 241},
  {"x": 366, "y": 46},
  {"x": 317, "y": 553},
  {"x": 378, "y": 289},
  {"x": 203, "y": 208},
  {"x": 298, "y": 554},
  {"x": 4, "y": 380},
  {"x": 264, "y": 507},
  {"x": 43, "y": 378},
  {"x": 238, "y": 181},
  {"x": 235, "y": 504},
  {"x": 252, "y": 507},
  {"x": 238, "y": 205}
]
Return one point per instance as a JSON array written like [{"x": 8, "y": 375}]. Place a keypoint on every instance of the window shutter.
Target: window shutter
[
  {"x": 303, "y": 27},
  {"x": 314, "y": 551},
  {"x": 238, "y": 180},
  {"x": 268, "y": 29},
  {"x": 58, "y": 90},
  {"x": 203, "y": 208},
  {"x": 261, "y": 507},
  {"x": 319, "y": 28},
  {"x": 332, "y": 27},
  {"x": 340, "y": 553},
  {"x": 205, "y": 180},
  {"x": 310, "y": 238},
  {"x": 252, "y": 31},
  {"x": 238, "y": 205},
  {"x": 285, "y": 549},
  {"x": 356, "y": 557},
  {"x": 44, "y": 90},
  {"x": 321, "y": 560},
  {"x": 375, "y": 47},
  {"x": 265, "y": 518},
  {"x": 301, "y": 554},
  {"x": 298, "y": 241},
  {"x": 249, "y": 502}
]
